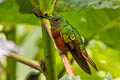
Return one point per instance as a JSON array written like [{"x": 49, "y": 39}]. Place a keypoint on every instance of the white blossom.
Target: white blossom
[{"x": 7, "y": 47}]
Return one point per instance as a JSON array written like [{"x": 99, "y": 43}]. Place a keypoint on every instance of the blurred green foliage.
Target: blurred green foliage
[
  {"x": 69, "y": 5},
  {"x": 98, "y": 21}
]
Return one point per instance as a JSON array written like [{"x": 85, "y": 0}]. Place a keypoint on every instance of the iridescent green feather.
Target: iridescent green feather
[{"x": 69, "y": 34}]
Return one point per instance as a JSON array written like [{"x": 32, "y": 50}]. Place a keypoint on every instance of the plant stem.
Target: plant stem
[
  {"x": 47, "y": 27},
  {"x": 63, "y": 70},
  {"x": 49, "y": 55},
  {"x": 52, "y": 7},
  {"x": 67, "y": 64},
  {"x": 11, "y": 64},
  {"x": 49, "y": 50},
  {"x": 29, "y": 62},
  {"x": 34, "y": 3}
]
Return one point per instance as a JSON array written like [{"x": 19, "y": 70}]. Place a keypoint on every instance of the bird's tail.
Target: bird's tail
[
  {"x": 88, "y": 59},
  {"x": 82, "y": 62}
]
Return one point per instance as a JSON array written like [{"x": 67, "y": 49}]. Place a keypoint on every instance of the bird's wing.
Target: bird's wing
[
  {"x": 83, "y": 50},
  {"x": 73, "y": 45}
]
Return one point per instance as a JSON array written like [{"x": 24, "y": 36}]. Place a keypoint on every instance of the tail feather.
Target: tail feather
[
  {"x": 81, "y": 56},
  {"x": 80, "y": 60},
  {"x": 90, "y": 61}
]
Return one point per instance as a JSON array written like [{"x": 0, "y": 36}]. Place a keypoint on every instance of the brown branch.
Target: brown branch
[
  {"x": 67, "y": 64},
  {"x": 63, "y": 69},
  {"x": 47, "y": 27}
]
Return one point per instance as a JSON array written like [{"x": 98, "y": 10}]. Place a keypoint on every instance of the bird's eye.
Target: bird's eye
[{"x": 57, "y": 20}]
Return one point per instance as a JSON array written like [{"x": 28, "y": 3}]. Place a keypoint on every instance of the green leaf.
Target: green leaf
[
  {"x": 111, "y": 37},
  {"x": 67, "y": 77},
  {"x": 25, "y": 6},
  {"x": 9, "y": 14}
]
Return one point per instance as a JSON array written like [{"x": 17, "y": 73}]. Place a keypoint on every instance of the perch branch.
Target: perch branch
[
  {"x": 60, "y": 74},
  {"x": 29, "y": 62},
  {"x": 67, "y": 64},
  {"x": 47, "y": 27}
]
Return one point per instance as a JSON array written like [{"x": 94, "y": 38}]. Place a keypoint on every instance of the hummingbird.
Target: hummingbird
[{"x": 68, "y": 39}]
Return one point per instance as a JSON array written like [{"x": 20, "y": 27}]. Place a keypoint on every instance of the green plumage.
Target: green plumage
[
  {"x": 72, "y": 39},
  {"x": 68, "y": 32}
]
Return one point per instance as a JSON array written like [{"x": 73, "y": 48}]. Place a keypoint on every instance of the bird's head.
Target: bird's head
[{"x": 57, "y": 21}]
